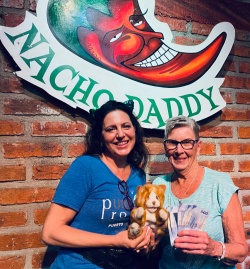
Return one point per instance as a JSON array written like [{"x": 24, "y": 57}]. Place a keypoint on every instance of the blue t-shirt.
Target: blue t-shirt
[
  {"x": 91, "y": 189},
  {"x": 212, "y": 196}
]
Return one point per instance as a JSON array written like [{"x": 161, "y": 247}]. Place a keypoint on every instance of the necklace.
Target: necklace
[{"x": 188, "y": 186}]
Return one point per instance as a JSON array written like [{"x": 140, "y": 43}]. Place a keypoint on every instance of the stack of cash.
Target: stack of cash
[{"x": 185, "y": 217}]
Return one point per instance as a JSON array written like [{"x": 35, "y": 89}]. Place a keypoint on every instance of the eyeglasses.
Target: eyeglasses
[
  {"x": 127, "y": 201},
  {"x": 186, "y": 143}
]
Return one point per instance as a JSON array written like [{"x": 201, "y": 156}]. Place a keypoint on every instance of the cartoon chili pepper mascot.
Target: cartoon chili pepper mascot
[{"x": 115, "y": 35}]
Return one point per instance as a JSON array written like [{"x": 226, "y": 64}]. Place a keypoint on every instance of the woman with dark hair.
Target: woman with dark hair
[
  {"x": 138, "y": 155},
  {"x": 90, "y": 211}
]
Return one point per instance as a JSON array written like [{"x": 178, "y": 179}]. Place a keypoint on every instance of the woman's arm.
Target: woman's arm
[
  {"x": 56, "y": 231},
  {"x": 236, "y": 246},
  {"x": 198, "y": 242}
]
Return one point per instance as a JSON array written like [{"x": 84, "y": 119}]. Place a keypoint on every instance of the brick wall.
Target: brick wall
[{"x": 40, "y": 136}]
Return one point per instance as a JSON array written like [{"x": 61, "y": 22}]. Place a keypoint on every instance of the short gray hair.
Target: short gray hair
[{"x": 181, "y": 121}]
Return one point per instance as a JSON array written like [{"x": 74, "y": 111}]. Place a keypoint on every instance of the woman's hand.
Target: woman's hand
[
  {"x": 153, "y": 243},
  {"x": 197, "y": 242},
  {"x": 137, "y": 244}
]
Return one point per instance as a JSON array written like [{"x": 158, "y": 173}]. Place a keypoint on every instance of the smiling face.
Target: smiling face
[
  {"x": 118, "y": 134},
  {"x": 119, "y": 41},
  {"x": 126, "y": 44},
  {"x": 115, "y": 35},
  {"x": 182, "y": 160}
]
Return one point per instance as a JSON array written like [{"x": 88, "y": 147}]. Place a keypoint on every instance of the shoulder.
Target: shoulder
[
  {"x": 87, "y": 160},
  {"x": 220, "y": 182},
  {"x": 84, "y": 164},
  {"x": 163, "y": 179},
  {"x": 217, "y": 176}
]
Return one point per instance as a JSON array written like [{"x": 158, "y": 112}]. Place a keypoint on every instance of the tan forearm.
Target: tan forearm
[
  {"x": 67, "y": 236},
  {"x": 235, "y": 253}
]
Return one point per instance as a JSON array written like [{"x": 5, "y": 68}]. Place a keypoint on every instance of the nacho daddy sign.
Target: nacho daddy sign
[{"x": 85, "y": 52}]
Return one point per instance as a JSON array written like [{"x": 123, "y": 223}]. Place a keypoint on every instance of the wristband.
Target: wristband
[{"x": 223, "y": 251}]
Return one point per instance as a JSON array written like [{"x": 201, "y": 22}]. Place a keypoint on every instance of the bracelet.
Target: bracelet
[{"x": 223, "y": 251}]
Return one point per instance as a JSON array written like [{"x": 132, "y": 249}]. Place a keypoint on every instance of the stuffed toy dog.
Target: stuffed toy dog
[{"x": 148, "y": 211}]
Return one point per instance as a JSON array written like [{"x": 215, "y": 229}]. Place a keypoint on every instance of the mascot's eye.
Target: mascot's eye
[
  {"x": 136, "y": 24},
  {"x": 115, "y": 37},
  {"x": 157, "y": 197}
]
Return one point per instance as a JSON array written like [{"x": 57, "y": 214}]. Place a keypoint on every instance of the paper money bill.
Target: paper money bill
[{"x": 185, "y": 217}]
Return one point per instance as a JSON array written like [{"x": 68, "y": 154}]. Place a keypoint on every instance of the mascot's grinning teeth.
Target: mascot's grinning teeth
[{"x": 163, "y": 55}]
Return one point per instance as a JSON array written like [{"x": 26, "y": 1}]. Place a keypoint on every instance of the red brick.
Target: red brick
[
  {"x": 227, "y": 96},
  {"x": 241, "y": 51},
  {"x": 208, "y": 149},
  {"x": 234, "y": 148},
  {"x": 12, "y": 219},
  {"x": 245, "y": 200},
  {"x": 12, "y": 20},
  {"x": 58, "y": 128},
  {"x": 159, "y": 168},
  {"x": 200, "y": 12},
  {"x": 155, "y": 148},
  {"x": 216, "y": 131},
  {"x": 40, "y": 215},
  {"x": 236, "y": 82},
  {"x": 12, "y": 196},
  {"x": 229, "y": 65},
  {"x": 75, "y": 150},
  {"x": 174, "y": 24},
  {"x": 32, "y": 6},
  {"x": 168, "y": 9},
  {"x": 48, "y": 172},
  {"x": 244, "y": 166},
  {"x": 242, "y": 35},
  {"x": 20, "y": 241},
  {"x": 11, "y": 85},
  {"x": 14, "y": 3},
  {"x": 12, "y": 173},
  {"x": 26, "y": 150},
  {"x": 43, "y": 259},
  {"x": 246, "y": 216},
  {"x": 231, "y": 114},
  {"x": 243, "y": 98},
  {"x": 224, "y": 165},
  {"x": 243, "y": 183},
  {"x": 244, "y": 67},
  {"x": 11, "y": 128},
  {"x": 189, "y": 41},
  {"x": 29, "y": 107},
  {"x": 7, "y": 66},
  {"x": 201, "y": 29},
  {"x": 12, "y": 262},
  {"x": 244, "y": 132}
]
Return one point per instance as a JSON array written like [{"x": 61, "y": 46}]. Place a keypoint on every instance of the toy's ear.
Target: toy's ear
[
  {"x": 139, "y": 191},
  {"x": 140, "y": 195},
  {"x": 163, "y": 187}
]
